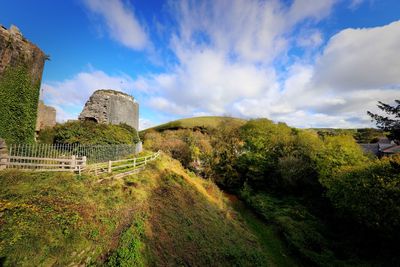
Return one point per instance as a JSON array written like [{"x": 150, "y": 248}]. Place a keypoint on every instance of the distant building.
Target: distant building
[{"x": 384, "y": 147}]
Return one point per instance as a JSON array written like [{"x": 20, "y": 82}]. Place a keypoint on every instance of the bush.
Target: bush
[
  {"x": 88, "y": 132},
  {"x": 370, "y": 195},
  {"x": 302, "y": 232}
]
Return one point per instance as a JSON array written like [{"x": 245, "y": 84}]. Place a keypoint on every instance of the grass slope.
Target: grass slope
[
  {"x": 206, "y": 122},
  {"x": 162, "y": 216}
]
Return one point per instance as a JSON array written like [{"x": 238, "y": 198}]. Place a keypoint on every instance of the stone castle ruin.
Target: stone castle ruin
[
  {"x": 46, "y": 117},
  {"x": 16, "y": 51},
  {"x": 111, "y": 107}
]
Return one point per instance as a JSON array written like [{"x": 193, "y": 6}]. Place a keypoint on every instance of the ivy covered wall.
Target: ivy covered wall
[{"x": 19, "y": 98}]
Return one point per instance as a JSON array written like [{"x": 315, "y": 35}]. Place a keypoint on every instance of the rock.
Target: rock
[{"x": 113, "y": 107}]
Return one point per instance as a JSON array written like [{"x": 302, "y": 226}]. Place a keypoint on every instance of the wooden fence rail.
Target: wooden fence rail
[
  {"x": 67, "y": 164},
  {"x": 123, "y": 165},
  {"x": 76, "y": 164}
]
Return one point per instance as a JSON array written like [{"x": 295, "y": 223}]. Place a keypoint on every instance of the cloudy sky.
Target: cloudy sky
[{"x": 304, "y": 62}]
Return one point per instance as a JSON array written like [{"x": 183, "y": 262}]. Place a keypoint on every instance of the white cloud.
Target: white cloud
[
  {"x": 250, "y": 30},
  {"x": 350, "y": 76},
  {"x": 361, "y": 59},
  {"x": 121, "y": 22},
  {"x": 70, "y": 95}
]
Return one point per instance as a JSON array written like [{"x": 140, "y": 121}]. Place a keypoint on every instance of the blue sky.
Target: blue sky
[{"x": 307, "y": 63}]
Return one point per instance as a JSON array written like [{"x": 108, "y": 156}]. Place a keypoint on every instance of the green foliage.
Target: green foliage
[
  {"x": 19, "y": 103},
  {"x": 368, "y": 135},
  {"x": 88, "y": 132},
  {"x": 130, "y": 247},
  {"x": 338, "y": 151},
  {"x": 390, "y": 123},
  {"x": 304, "y": 233},
  {"x": 370, "y": 194},
  {"x": 223, "y": 160}
]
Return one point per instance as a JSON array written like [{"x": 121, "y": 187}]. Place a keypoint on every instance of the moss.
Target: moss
[{"x": 19, "y": 104}]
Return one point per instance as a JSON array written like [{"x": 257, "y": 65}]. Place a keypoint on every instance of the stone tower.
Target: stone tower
[
  {"x": 16, "y": 50},
  {"x": 114, "y": 107}
]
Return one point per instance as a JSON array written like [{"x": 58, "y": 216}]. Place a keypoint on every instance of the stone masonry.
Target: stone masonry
[
  {"x": 46, "y": 117},
  {"x": 114, "y": 107},
  {"x": 16, "y": 50}
]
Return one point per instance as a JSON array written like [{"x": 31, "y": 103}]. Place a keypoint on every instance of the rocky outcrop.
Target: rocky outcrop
[
  {"x": 114, "y": 107},
  {"x": 46, "y": 117},
  {"x": 15, "y": 50}
]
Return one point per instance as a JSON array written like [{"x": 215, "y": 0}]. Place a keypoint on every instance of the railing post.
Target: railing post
[
  {"x": 73, "y": 162},
  {"x": 109, "y": 166},
  {"x": 3, "y": 154},
  {"x": 134, "y": 163},
  {"x": 84, "y": 161}
]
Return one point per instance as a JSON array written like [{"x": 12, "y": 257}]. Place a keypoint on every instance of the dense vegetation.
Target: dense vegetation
[
  {"x": 19, "y": 103},
  {"x": 88, "y": 132},
  {"x": 318, "y": 189}
]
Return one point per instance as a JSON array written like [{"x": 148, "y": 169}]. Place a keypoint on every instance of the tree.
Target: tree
[{"x": 391, "y": 122}]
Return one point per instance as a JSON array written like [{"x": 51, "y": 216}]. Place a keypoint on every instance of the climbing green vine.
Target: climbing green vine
[{"x": 18, "y": 108}]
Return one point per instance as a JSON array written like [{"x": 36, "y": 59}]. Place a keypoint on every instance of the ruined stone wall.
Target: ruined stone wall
[
  {"x": 46, "y": 117},
  {"x": 21, "y": 68},
  {"x": 109, "y": 106},
  {"x": 16, "y": 50}
]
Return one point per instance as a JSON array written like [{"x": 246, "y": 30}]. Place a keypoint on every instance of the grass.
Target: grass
[
  {"x": 206, "y": 122},
  {"x": 60, "y": 219},
  {"x": 163, "y": 216},
  {"x": 191, "y": 224}
]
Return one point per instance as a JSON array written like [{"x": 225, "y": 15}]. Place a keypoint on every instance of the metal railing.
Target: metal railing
[{"x": 93, "y": 153}]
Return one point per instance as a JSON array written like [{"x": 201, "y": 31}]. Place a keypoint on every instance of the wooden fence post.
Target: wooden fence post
[
  {"x": 3, "y": 154},
  {"x": 84, "y": 161},
  {"x": 109, "y": 166},
  {"x": 73, "y": 162}
]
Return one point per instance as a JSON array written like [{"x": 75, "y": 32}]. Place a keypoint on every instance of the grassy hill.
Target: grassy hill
[
  {"x": 201, "y": 123},
  {"x": 163, "y": 216}
]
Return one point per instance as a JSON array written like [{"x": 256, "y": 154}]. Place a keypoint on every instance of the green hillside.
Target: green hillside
[
  {"x": 163, "y": 216},
  {"x": 201, "y": 123}
]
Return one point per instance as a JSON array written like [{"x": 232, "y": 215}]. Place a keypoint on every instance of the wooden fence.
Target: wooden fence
[
  {"x": 121, "y": 167},
  {"x": 67, "y": 164}
]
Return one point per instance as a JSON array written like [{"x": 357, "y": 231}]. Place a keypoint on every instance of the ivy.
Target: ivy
[{"x": 19, "y": 103}]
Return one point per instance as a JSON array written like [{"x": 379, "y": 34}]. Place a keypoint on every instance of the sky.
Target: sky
[{"x": 303, "y": 62}]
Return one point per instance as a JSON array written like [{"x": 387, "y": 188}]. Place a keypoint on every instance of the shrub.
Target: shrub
[
  {"x": 369, "y": 194},
  {"x": 88, "y": 132},
  {"x": 303, "y": 232}
]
